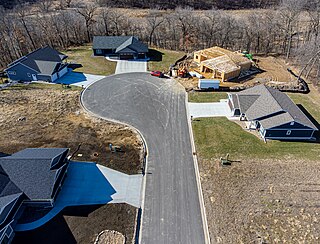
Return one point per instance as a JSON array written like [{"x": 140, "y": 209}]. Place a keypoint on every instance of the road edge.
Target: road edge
[
  {"x": 196, "y": 168},
  {"x": 137, "y": 234}
]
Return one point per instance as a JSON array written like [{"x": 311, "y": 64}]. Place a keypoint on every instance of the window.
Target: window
[
  {"x": 11, "y": 73},
  {"x": 292, "y": 123},
  {"x": 98, "y": 51},
  {"x": 288, "y": 132},
  {"x": 28, "y": 74},
  {"x": 197, "y": 56}
]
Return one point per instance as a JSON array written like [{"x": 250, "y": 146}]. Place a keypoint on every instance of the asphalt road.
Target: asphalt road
[{"x": 156, "y": 107}]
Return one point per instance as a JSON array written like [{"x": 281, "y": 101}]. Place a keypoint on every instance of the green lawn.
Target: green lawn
[
  {"x": 91, "y": 65},
  {"x": 206, "y": 97},
  {"x": 41, "y": 86},
  {"x": 311, "y": 102},
  {"x": 168, "y": 57},
  {"x": 215, "y": 137}
]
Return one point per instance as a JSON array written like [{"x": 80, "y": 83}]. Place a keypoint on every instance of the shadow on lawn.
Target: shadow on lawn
[
  {"x": 155, "y": 55},
  {"x": 55, "y": 231}
]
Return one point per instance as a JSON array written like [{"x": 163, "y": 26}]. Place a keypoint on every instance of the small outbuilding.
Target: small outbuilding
[
  {"x": 272, "y": 113},
  {"x": 120, "y": 47},
  {"x": 44, "y": 64},
  {"x": 221, "y": 63}
]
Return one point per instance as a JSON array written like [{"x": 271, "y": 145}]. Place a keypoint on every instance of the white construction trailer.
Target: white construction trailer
[{"x": 205, "y": 84}]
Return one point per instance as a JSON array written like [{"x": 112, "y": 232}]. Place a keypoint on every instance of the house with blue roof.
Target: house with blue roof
[
  {"x": 120, "y": 47},
  {"x": 31, "y": 177}
]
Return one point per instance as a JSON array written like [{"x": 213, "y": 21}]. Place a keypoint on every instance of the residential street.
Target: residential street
[{"x": 156, "y": 107}]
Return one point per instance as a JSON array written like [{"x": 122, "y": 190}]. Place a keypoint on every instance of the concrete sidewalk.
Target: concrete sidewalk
[
  {"x": 124, "y": 66},
  {"x": 204, "y": 110}
]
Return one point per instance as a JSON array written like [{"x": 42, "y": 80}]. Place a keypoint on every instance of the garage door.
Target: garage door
[
  {"x": 126, "y": 56},
  {"x": 63, "y": 72}
]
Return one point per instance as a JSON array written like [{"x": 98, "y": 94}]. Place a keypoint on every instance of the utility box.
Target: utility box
[{"x": 205, "y": 84}]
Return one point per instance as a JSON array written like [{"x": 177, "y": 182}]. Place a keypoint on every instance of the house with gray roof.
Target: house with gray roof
[
  {"x": 272, "y": 113},
  {"x": 44, "y": 64},
  {"x": 120, "y": 47},
  {"x": 31, "y": 177}
]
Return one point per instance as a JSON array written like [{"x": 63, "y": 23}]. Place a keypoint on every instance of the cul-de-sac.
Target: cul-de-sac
[{"x": 169, "y": 122}]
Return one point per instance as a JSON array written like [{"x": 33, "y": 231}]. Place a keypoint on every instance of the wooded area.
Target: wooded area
[
  {"x": 199, "y": 4},
  {"x": 291, "y": 29}
]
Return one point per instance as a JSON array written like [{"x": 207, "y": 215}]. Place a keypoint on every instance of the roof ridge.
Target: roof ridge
[
  {"x": 259, "y": 95},
  {"x": 267, "y": 88}
]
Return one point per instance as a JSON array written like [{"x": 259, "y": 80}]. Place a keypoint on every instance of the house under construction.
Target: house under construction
[{"x": 222, "y": 63}]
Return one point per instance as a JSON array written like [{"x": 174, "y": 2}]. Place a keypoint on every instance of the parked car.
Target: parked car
[{"x": 157, "y": 73}]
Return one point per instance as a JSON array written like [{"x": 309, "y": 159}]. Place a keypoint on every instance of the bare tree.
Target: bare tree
[
  {"x": 314, "y": 15},
  {"x": 45, "y": 5},
  {"x": 289, "y": 11},
  {"x": 21, "y": 14},
  {"x": 153, "y": 22},
  {"x": 88, "y": 13},
  {"x": 116, "y": 19}
]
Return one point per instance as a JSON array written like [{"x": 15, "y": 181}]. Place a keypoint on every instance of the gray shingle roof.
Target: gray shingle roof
[
  {"x": 30, "y": 171},
  {"x": 44, "y": 60},
  {"x": 39, "y": 153},
  {"x": 246, "y": 101},
  {"x": 119, "y": 43},
  {"x": 32, "y": 176},
  {"x": 7, "y": 202},
  {"x": 277, "y": 120},
  {"x": 266, "y": 102}
]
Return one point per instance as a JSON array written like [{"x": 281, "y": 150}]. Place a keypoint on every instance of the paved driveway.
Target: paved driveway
[
  {"x": 124, "y": 66},
  {"x": 202, "y": 110},
  {"x": 78, "y": 79},
  {"x": 91, "y": 184},
  {"x": 156, "y": 107}
]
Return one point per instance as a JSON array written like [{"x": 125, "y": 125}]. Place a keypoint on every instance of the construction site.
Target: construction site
[{"x": 233, "y": 70}]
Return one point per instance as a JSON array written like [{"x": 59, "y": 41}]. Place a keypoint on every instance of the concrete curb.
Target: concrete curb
[
  {"x": 137, "y": 234},
  {"x": 196, "y": 168}
]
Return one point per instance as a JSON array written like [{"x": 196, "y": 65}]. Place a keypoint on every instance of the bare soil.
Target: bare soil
[
  {"x": 274, "y": 72},
  {"x": 54, "y": 118},
  {"x": 262, "y": 201},
  {"x": 110, "y": 237}
]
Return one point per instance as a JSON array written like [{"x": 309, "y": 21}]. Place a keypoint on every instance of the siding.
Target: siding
[
  {"x": 63, "y": 72},
  {"x": 276, "y": 133},
  {"x": 44, "y": 77},
  {"x": 21, "y": 73}
]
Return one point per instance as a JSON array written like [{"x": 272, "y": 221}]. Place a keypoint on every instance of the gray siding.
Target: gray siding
[{"x": 21, "y": 73}]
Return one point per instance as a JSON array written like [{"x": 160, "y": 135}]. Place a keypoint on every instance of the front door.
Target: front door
[{"x": 34, "y": 77}]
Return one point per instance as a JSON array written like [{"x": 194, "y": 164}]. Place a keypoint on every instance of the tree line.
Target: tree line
[
  {"x": 172, "y": 4},
  {"x": 291, "y": 29}
]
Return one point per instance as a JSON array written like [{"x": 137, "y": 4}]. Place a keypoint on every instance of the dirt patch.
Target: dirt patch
[
  {"x": 274, "y": 72},
  {"x": 110, "y": 237},
  {"x": 54, "y": 118},
  {"x": 262, "y": 201}
]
